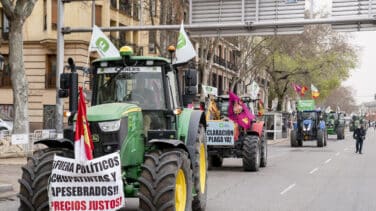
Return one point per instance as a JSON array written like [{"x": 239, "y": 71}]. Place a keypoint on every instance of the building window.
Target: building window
[
  {"x": 114, "y": 4},
  {"x": 136, "y": 11},
  {"x": 7, "y": 110},
  {"x": 50, "y": 77},
  {"x": 125, "y": 6},
  {"x": 5, "y": 80},
  {"x": 49, "y": 116},
  {"x": 4, "y": 25},
  {"x": 44, "y": 15},
  {"x": 54, "y": 14},
  {"x": 152, "y": 39},
  {"x": 98, "y": 15},
  {"x": 153, "y": 7}
]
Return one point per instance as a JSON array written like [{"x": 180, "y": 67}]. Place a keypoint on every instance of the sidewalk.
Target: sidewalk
[{"x": 9, "y": 175}]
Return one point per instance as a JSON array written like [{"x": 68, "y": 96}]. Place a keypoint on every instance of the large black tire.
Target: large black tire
[
  {"x": 340, "y": 133},
  {"x": 294, "y": 138},
  {"x": 251, "y": 153},
  {"x": 215, "y": 161},
  {"x": 320, "y": 138},
  {"x": 200, "y": 171},
  {"x": 34, "y": 181},
  {"x": 263, "y": 152},
  {"x": 158, "y": 182}
]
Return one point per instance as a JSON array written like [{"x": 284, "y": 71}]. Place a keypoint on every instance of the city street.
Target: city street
[{"x": 307, "y": 178}]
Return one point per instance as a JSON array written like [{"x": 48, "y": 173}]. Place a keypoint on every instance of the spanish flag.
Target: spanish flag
[
  {"x": 315, "y": 92},
  {"x": 83, "y": 142}
]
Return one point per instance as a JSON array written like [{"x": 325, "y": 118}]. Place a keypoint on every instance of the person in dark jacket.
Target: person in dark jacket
[{"x": 359, "y": 135}]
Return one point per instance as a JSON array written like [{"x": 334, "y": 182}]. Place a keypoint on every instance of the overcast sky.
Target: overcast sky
[{"x": 363, "y": 79}]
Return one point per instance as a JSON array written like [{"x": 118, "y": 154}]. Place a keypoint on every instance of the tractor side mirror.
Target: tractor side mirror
[{"x": 190, "y": 78}]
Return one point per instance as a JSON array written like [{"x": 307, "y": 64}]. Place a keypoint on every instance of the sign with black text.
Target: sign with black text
[
  {"x": 92, "y": 185},
  {"x": 220, "y": 133}
]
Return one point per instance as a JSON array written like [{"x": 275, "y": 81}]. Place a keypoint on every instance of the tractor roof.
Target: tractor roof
[{"x": 113, "y": 59}]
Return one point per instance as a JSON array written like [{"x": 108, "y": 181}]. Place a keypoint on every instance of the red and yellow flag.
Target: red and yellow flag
[
  {"x": 315, "y": 92},
  {"x": 83, "y": 142}
]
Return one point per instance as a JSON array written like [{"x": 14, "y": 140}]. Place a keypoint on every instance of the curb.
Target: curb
[
  {"x": 272, "y": 142},
  {"x": 5, "y": 188}
]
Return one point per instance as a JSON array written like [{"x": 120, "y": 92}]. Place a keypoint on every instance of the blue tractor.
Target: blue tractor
[{"x": 309, "y": 125}]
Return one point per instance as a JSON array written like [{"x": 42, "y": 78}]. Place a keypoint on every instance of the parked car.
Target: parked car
[{"x": 6, "y": 123}]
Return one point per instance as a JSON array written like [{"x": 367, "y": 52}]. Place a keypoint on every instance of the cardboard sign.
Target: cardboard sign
[
  {"x": 220, "y": 133},
  {"x": 91, "y": 185},
  {"x": 20, "y": 139}
]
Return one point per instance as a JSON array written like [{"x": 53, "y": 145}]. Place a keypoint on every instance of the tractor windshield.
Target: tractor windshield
[
  {"x": 142, "y": 86},
  {"x": 308, "y": 115}
]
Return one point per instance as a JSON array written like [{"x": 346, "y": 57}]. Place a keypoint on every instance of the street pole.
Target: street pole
[
  {"x": 60, "y": 68},
  {"x": 93, "y": 13}
]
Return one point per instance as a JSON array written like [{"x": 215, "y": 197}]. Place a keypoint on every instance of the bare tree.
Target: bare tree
[
  {"x": 341, "y": 97},
  {"x": 17, "y": 11}
]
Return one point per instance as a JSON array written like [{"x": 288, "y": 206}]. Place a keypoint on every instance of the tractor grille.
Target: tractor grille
[{"x": 107, "y": 142}]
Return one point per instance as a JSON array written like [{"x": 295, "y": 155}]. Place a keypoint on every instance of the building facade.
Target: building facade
[{"x": 40, "y": 36}]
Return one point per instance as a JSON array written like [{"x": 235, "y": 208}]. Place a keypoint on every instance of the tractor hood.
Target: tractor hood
[{"x": 110, "y": 111}]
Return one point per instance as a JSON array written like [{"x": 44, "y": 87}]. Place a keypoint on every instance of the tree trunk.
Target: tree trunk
[{"x": 18, "y": 77}]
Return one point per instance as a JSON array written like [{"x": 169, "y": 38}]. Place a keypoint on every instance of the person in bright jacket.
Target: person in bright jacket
[{"x": 359, "y": 135}]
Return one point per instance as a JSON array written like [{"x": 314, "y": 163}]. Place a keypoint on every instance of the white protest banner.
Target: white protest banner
[
  {"x": 100, "y": 43},
  {"x": 92, "y": 185},
  {"x": 210, "y": 90},
  {"x": 254, "y": 90},
  {"x": 220, "y": 133}
]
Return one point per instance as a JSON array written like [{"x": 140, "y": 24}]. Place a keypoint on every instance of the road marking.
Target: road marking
[
  {"x": 313, "y": 171},
  {"x": 327, "y": 161},
  {"x": 337, "y": 153},
  {"x": 345, "y": 149},
  {"x": 288, "y": 188}
]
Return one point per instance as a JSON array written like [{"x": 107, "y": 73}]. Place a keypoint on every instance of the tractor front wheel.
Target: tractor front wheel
[
  {"x": 263, "y": 152},
  {"x": 35, "y": 175},
  {"x": 200, "y": 171},
  {"x": 294, "y": 138},
  {"x": 166, "y": 181},
  {"x": 251, "y": 153},
  {"x": 320, "y": 138}
]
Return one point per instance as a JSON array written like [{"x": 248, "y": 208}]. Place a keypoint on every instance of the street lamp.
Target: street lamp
[{"x": 2, "y": 62}]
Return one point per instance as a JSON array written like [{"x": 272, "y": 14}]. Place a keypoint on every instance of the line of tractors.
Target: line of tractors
[
  {"x": 136, "y": 108},
  {"x": 314, "y": 124}
]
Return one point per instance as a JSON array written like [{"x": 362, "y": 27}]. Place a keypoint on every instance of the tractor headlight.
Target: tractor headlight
[{"x": 110, "y": 126}]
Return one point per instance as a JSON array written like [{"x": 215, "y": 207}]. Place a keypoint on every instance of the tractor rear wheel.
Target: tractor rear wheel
[
  {"x": 215, "y": 161},
  {"x": 166, "y": 181},
  {"x": 35, "y": 175},
  {"x": 320, "y": 138},
  {"x": 200, "y": 171},
  {"x": 294, "y": 139},
  {"x": 251, "y": 153},
  {"x": 263, "y": 152}
]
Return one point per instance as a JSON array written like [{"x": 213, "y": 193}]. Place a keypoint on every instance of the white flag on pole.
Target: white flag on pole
[
  {"x": 184, "y": 48},
  {"x": 100, "y": 43},
  {"x": 254, "y": 90}
]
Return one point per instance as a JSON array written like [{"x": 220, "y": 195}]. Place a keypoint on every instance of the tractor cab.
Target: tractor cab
[{"x": 309, "y": 125}]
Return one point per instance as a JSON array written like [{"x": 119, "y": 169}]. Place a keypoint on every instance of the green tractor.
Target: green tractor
[
  {"x": 162, "y": 146},
  {"x": 335, "y": 124}
]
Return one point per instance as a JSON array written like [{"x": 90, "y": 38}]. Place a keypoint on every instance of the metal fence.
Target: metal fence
[{"x": 7, "y": 149}]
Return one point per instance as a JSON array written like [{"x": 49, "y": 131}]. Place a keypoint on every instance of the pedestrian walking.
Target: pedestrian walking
[{"x": 359, "y": 135}]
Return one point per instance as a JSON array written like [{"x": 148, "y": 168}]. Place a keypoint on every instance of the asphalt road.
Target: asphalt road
[{"x": 307, "y": 178}]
